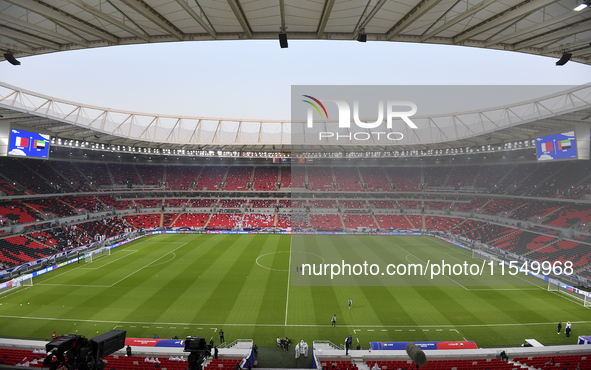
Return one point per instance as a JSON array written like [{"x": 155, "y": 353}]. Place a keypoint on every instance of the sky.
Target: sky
[{"x": 253, "y": 79}]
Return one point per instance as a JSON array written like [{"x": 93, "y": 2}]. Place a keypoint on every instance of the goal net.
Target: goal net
[
  {"x": 555, "y": 286},
  {"x": 98, "y": 253},
  {"x": 478, "y": 253},
  {"x": 21, "y": 281}
]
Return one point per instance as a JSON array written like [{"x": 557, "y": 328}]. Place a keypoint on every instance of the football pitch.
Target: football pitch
[{"x": 251, "y": 287}]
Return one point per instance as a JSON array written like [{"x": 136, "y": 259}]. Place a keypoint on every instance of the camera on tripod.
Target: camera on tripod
[
  {"x": 75, "y": 352},
  {"x": 199, "y": 350}
]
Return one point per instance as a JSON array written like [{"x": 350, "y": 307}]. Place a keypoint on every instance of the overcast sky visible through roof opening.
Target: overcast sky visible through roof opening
[{"x": 252, "y": 79}]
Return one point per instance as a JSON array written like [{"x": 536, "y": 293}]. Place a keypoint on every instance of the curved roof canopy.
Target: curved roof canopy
[
  {"x": 498, "y": 125},
  {"x": 543, "y": 27}
]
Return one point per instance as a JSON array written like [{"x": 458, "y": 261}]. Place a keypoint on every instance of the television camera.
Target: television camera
[
  {"x": 199, "y": 351},
  {"x": 75, "y": 352}
]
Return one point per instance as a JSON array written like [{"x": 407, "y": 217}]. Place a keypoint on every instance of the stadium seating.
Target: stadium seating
[
  {"x": 265, "y": 178},
  {"x": 237, "y": 178},
  {"x": 569, "y": 362},
  {"x": 210, "y": 177},
  {"x": 144, "y": 221},
  {"x": 497, "y": 206},
  {"x": 354, "y": 221},
  {"x": 320, "y": 178},
  {"x": 258, "y": 220},
  {"x": 52, "y": 205},
  {"x": 531, "y": 209},
  {"x": 460, "y": 364},
  {"x": 71, "y": 172},
  {"x": 441, "y": 223},
  {"x": 8, "y": 189},
  {"x": 326, "y": 222},
  {"x": 393, "y": 222},
  {"x": 192, "y": 220},
  {"x": 151, "y": 175},
  {"x": 12, "y": 168},
  {"x": 97, "y": 173},
  {"x": 44, "y": 170},
  {"x": 115, "y": 203},
  {"x": 108, "y": 227},
  {"x": 17, "y": 250},
  {"x": 286, "y": 177},
  {"x": 569, "y": 216},
  {"x": 124, "y": 174},
  {"x": 352, "y": 203},
  {"x": 347, "y": 178},
  {"x": 490, "y": 175},
  {"x": 338, "y": 365},
  {"x": 181, "y": 177},
  {"x": 323, "y": 203},
  {"x": 18, "y": 212},
  {"x": 224, "y": 221},
  {"x": 462, "y": 176},
  {"x": 90, "y": 204},
  {"x": 404, "y": 178},
  {"x": 518, "y": 173},
  {"x": 383, "y": 204},
  {"x": 297, "y": 174},
  {"x": 375, "y": 178}
]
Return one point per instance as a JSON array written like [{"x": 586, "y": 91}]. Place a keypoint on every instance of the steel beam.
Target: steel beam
[
  {"x": 511, "y": 15},
  {"x": 65, "y": 18},
  {"x": 417, "y": 12}
]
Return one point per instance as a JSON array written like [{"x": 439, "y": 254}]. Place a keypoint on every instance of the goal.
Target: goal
[
  {"x": 24, "y": 280},
  {"x": 584, "y": 299},
  {"x": 101, "y": 252}
]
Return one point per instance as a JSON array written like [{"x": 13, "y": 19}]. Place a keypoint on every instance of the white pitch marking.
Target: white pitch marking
[
  {"x": 384, "y": 329},
  {"x": 291, "y": 325},
  {"x": 369, "y": 329},
  {"x": 288, "y": 281},
  {"x": 214, "y": 329},
  {"x": 115, "y": 260},
  {"x": 140, "y": 269}
]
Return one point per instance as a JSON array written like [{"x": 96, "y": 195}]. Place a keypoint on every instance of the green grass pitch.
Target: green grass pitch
[{"x": 193, "y": 284}]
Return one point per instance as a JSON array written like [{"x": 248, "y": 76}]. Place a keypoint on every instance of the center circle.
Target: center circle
[{"x": 270, "y": 268}]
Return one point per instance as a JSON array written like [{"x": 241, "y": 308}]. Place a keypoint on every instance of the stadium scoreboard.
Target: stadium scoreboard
[
  {"x": 557, "y": 146},
  {"x": 28, "y": 144},
  {"x": 566, "y": 145}
]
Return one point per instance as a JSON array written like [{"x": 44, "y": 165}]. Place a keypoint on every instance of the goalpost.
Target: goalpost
[
  {"x": 97, "y": 253},
  {"x": 554, "y": 286},
  {"x": 24, "y": 280}
]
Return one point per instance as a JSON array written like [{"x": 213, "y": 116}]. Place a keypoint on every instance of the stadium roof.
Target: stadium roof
[
  {"x": 542, "y": 27},
  {"x": 498, "y": 125}
]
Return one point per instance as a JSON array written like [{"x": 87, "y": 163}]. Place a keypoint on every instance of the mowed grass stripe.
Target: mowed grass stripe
[
  {"x": 184, "y": 289},
  {"x": 238, "y": 260},
  {"x": 272, "y": 291}
]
